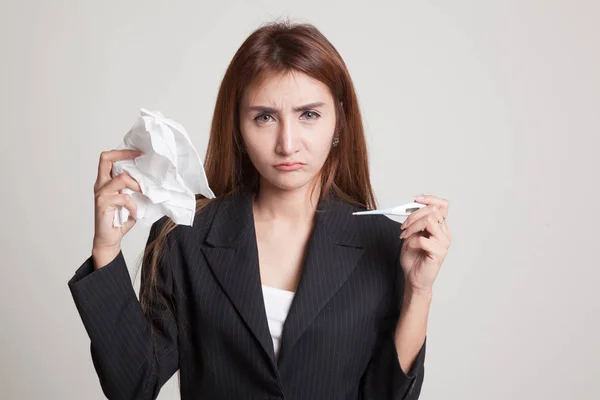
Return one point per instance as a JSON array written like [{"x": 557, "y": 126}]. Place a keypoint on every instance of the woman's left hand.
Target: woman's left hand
[{"x": 426, "y": 240}]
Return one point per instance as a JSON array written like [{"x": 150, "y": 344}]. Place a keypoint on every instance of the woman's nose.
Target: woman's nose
[{"x": 288, "y": 140}]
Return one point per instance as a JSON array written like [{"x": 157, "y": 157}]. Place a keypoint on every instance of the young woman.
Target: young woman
[{"x": 277, "y": 291}]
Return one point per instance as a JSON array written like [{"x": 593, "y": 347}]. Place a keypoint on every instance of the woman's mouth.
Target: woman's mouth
[{"x": 289, "y": 166}]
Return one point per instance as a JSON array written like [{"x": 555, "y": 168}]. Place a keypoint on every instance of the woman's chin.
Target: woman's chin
[{"x": 290, "y": 181}]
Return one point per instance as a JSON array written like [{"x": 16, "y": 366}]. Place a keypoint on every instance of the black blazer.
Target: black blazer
[{"x": 337, "y": 341}]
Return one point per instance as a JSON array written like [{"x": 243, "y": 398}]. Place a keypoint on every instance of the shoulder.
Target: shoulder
[
  {"x": 202, "y": 221},
  {"x": 377, "y": 235},
  {"x": 378, "y": 224},
  {"x": 376, "y": 232},
  {"x": 381, "y": 233},
  {"x": 373, "y": 224}
]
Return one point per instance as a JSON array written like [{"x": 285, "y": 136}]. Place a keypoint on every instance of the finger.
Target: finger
[
  {"x": 415, "y": 227},
  {"x": 434, "y": 227},
  {"x": 417, "y": 242},
  {"x": 433, "y": 214},
  {"x": 130, "y": 205},
  {"x": 446, "y": 230},
  {"x": 109, "y": 201},
  {"x": 416, "y": 215},
  {"x": 105, "y": 164},
  {"x": 120, "y": 182},
  {"x": 443, "y": 204}
]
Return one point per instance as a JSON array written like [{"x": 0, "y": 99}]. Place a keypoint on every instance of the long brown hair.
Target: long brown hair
[{"x": 274, "y": 48}]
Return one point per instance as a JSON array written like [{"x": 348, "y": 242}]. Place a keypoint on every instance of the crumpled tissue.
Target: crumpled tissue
[{"x": 169, "y": 171}]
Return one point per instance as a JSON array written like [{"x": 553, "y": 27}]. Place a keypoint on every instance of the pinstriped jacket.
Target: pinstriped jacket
[{"x": 209, "y": 320}]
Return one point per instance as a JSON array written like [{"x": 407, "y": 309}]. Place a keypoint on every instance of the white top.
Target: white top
[{"x": 277, "y": 305}]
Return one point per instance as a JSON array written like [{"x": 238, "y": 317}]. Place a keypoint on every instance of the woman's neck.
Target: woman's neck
[{"x": 292, "y": 205}]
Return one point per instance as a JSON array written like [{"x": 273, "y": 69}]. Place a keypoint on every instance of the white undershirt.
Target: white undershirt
[{"x": 277, "y": 305}]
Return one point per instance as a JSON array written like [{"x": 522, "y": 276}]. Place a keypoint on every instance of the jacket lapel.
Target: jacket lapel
[
  {"x": 230, "y": 248},
  {"x": 333, "y": 251},
  {"x": 232, "y": 254}
]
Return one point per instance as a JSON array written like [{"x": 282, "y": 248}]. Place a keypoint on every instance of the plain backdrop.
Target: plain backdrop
[{"x": 493, "y": 105}]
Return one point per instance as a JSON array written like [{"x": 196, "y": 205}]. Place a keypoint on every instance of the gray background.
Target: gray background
[{"x": 490, "y": 104}]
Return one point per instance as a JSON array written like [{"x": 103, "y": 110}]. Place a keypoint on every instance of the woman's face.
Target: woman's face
[{"x": 287, "y": 125}]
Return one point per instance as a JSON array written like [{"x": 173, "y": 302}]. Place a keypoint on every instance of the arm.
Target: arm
[
  {"x": 133, "y": 357},
  {"x": 425, "y": 240},
  {"x": 397, "y": 369},
  {"x": 410, "y": 336}
]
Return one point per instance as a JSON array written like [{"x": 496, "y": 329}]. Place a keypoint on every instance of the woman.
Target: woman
[{"x": 276, "y": 291}]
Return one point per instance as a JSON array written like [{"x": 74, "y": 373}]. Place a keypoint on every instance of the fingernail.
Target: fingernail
[{"x": 418, "y": 197}]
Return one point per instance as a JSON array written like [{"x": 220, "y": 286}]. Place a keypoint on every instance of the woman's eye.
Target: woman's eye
[
  {"x": 268, "y": 117},
  {"x": 261, "y": 118},
  {"x": 311, "y": 115}
]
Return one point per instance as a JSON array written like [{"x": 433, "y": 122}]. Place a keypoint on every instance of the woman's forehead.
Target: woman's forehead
[{"x": 290, "y": 89}]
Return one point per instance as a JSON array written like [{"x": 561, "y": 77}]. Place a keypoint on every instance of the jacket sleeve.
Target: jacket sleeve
[
  {"x": 384, "y": 378},
  {"x": 133, "y": 354}
]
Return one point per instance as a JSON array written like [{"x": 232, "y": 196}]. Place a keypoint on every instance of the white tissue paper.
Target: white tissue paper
[{"x": 169, "y": 172}]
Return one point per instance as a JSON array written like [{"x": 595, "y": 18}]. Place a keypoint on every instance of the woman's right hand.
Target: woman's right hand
[{"x": 107, "y": 238}]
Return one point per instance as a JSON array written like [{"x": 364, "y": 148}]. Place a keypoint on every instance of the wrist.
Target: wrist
[
  {"x": 417, "y": 295},
  {"x": 103, "y": 256}
]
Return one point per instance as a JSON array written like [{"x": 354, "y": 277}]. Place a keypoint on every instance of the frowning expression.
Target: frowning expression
[{"x": 287, "y": 124}]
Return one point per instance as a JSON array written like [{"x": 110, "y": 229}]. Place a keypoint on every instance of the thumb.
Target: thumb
[{"x": 129, "y": 223}]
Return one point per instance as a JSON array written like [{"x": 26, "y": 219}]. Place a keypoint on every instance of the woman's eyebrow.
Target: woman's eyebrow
[{"x": 272, "y": 110}]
